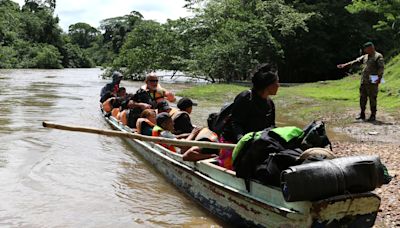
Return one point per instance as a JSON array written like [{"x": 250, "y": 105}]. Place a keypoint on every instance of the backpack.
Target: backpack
[
  {"x": 133, "y": 116},
  {"x": 218, "y": 121},
  {"x": 253, "y": 152},
  {"x": 269, "y": 171},
  {"x": 263, "y": 155},
  {"x": 143, "y": 96},
  {"x": 315, "y": 136}
]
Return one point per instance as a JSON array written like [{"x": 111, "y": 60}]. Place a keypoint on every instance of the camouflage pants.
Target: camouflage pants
[{"x": 368, "y": 91}]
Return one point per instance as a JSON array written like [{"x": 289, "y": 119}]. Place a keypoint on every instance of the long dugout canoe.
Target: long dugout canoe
[{"x": 224, "y": 195}]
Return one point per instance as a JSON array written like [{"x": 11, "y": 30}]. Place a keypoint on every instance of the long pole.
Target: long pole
[{"x": 176, "y": 142}]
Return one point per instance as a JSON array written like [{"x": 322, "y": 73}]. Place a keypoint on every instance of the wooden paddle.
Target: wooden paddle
[{"x": 176, "y": 142}]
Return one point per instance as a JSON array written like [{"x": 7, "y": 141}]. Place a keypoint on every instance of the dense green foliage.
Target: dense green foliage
[
  {"x": 30, "y": 37},
  {"x": 307, "y": 102},
  {"x": 225, "y": 39},
  {"x": 222, "y": 41}
]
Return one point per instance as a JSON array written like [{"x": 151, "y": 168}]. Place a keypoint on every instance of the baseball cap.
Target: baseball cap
[
  {"x": 162, "y": 118},
  {"x": 163, "y": 106},
  {"x": 185, "y": 102}
]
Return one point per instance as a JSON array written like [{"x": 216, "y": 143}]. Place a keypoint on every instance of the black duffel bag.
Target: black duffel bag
[{"x": 323, "y": 179}]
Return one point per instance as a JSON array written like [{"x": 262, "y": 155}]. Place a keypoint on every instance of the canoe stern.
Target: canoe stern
[{"x": 359, "y": 210}]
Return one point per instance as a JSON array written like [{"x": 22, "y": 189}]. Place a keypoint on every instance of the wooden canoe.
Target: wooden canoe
[{"x": 224, "y": 195}]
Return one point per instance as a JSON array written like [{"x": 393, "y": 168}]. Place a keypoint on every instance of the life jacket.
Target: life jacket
[
  {"x": 206, "y": 134},
  {"x": 110, "y": 103},
  {"x": 139, "y": 123},
  {"x": 115, "y": 112},
  {"x": 225, "y": 155},
  {"x": 175, "y": 113},
  {"x": 157, "y": 132},
  {"x": 123, "y": 116},
  {"x": 157, "y": 95}
]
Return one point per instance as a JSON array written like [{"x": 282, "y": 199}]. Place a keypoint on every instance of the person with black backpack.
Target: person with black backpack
[{"x": 252, "y": 110}]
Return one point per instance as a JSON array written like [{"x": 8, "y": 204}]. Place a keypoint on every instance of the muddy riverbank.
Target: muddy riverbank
[{"x": 381, "y": 138}]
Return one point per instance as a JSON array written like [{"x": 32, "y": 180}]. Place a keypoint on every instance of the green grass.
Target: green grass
[
  {"x": 312, "y": 100},
  {"x": 218, "y": 93}
]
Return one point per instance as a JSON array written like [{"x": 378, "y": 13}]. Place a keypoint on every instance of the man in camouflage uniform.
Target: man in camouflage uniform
[{"x": 370, "y": 79}]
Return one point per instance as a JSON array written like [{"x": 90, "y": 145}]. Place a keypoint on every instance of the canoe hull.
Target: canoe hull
[
  {"x": 226, "y": 204},
  {"x": 225, "y": 196}
]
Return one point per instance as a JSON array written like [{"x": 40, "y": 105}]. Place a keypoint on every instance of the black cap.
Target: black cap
[
  {"x": 368, "y": 44},
  {"x": 163, "y": 106},
  {"x": 162, "y": 117},
  {"x": 185, "y": 103}
]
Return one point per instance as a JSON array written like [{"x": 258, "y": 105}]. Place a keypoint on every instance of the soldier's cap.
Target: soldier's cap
[
  {"x": 184, "y": 103},
  {"x": 368, "y": 44}
]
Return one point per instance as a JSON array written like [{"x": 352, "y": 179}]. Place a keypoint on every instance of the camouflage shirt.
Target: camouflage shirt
[{"x": 374, "y": 65}]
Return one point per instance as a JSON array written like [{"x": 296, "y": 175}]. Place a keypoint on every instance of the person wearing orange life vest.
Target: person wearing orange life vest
[
  {"x": 165, "y": 127},
  {"x": 146, "y": 122},
  {"x": 132, "y": 112},
  {"x": 196, "y": 153},
  {"x": 114, "y": 102},
  {"x": 157, "y": 93}
]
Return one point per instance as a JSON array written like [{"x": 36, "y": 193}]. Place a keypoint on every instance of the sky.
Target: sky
[{"x": 93, "y": 11}]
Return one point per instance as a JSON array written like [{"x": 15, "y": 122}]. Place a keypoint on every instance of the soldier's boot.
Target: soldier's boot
[
  {"x": 361, "y": 116},
  {"x": 372, "y": 117}
]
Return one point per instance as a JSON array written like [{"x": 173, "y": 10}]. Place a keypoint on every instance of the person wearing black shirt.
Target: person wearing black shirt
[
  {"x": 181, "y": 117},
  {"x": 253, "y": 110}
]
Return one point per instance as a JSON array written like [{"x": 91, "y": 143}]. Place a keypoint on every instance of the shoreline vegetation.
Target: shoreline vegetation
[
  {"x": 317, "y": 100},
  {"x": 220, "y": 41}
]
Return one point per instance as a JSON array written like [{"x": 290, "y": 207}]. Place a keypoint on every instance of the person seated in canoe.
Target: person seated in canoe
[
  {"x": 196, "y": 153},
  {"x": 131, "y": 112},
  {"x": 157, "y": 93},
  {"x": 252, "y": 111},
  {"x": 111, "y": 89},
  {"x": 114, "y": 102},
  {"x": 146, "y": 122},
  {"x": 181, "y": 117},
  {"x": 165, "y": 127},
  {"x": 163, "y": 106}
]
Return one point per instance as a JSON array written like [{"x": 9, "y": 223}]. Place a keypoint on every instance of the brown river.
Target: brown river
[{"x": 53, "y": 178}]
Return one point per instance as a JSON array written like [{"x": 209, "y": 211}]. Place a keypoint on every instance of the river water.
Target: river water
[{"x": 53, "y": 178}]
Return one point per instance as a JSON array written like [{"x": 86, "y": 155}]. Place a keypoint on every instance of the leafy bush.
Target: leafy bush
[{"x": 48, "y": 58}]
